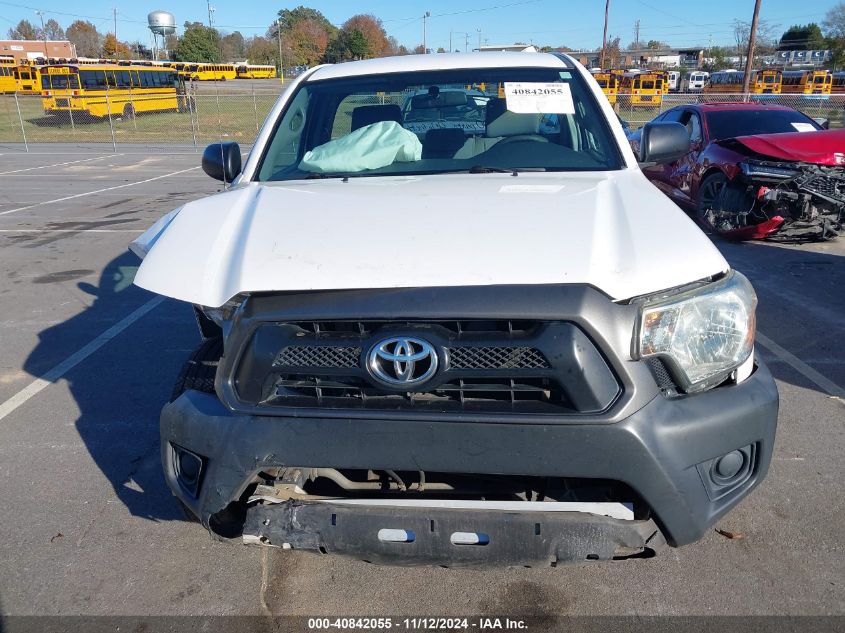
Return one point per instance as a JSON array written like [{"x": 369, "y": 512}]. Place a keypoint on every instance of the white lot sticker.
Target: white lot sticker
[
  {"x": 539, "y": 98},
  {"x": 804, "y": 127}
]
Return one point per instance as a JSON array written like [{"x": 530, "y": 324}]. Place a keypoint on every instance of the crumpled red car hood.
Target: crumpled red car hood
[{"x": 825, "y": 147}]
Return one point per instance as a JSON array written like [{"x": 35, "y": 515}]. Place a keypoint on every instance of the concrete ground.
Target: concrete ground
[{"x": 86, "y": 361}]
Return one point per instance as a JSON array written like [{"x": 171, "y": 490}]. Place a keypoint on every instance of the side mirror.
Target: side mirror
[
  {"x": 663, "y": 142},
  {"x": 825, "y": 123},
  {"x": 222, "y": 161}
]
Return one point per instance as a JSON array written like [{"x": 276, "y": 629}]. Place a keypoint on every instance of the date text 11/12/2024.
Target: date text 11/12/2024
[{"x": 417, "y": 624}]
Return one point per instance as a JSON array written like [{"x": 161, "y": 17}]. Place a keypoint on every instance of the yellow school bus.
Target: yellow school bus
[
  {"x": 609, "y": 83},
  {"x": 731, "y": 82},
  {"x": 108, "y": 89},
  {"x": 7, "y": 74},
  {"x": 26, "y": 78},
  {"x": 215, "y": 72},
  {"x": 838, "y": 82},
  {"x": 642, "y": 89},
  {"x": 807, "y": 82},
  {"x": 253, "y": 71}
]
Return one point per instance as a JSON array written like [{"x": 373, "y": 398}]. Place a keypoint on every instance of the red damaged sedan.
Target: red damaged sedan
[{"x": 755, "y": 171}]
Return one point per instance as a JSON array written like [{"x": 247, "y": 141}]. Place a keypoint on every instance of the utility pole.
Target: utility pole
[
  {"x": 604, "y": 36},
  {"x": 749, "y": 61},
  {"x": 279, "y": 36},
  {"x": 479, "y": 39},
  {"x": 114, "y": 11},
  {"x": 426, "y": 15},
  {"x": 466, "y": 42},
  {"x": 40, "y": 14},
  {"x": 210, "y": 13},
  {"x": 637, "y": 33}
]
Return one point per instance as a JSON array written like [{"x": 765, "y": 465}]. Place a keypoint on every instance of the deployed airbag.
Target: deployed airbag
[{"x": 370, "y": 147}]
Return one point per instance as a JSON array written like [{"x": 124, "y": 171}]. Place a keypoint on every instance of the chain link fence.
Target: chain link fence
[
  {"x": 830, "y": 107},
  {"x": 229, "y": 113}
]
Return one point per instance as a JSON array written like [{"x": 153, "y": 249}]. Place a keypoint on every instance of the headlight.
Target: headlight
[
  {"x": 703, "y": 334},
  {"x": 752, "y": 168}
]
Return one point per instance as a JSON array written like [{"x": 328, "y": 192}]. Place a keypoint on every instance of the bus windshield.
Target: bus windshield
[
  {"x": 428, "y": 122},
  {"x": 59, "y": 82}
]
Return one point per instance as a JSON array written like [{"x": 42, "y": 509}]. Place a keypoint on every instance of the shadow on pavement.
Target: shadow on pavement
[
  {"x": 805, "y": 282},
  {"x": 120, "y": 389}
]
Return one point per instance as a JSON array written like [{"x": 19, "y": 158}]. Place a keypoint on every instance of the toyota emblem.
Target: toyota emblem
[{"x": 401, "y": 361}]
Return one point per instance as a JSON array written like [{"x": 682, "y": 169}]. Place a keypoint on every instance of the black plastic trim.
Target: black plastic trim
[
  {"x": 654, "y": 450},
  {"x": 512, "y": 538},
  {"x": 608, "y": 326}
]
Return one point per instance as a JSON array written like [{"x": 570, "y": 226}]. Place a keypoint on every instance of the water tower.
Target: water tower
[{"x": 160, "y": 23}]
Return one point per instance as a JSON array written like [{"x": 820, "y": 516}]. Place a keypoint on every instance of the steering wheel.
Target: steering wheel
[{"x": 533, "y": 138}]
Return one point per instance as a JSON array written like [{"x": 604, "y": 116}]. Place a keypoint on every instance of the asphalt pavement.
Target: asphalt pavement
[{"x": 87, "y": 360}]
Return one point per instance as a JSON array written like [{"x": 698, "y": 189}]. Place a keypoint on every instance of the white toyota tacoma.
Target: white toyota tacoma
[{"x": 447, "y": 320}]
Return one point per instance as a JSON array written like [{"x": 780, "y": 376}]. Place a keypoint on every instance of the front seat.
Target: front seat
[
  {"x": 501, "y": 122},
  {"x": 367, "y": 115},
  {"x": 442, "y": 143}
]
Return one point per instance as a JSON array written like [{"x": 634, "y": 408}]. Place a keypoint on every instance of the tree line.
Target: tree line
[
  {"x": 305, "y": 37},
  {"x": 830, "y": 35}
]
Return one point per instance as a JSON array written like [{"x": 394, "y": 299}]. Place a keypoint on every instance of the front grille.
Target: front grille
[
  {"x": 318, "y": 356},
  {"x": 456, "y": 395},
  {"x": 485, "y": 365},
  {"x": 662, "y": 376},
  {"x": 459, "y": 357},
  {"x": 826, "y": 185},
  {"x": 497, "y": 358}
]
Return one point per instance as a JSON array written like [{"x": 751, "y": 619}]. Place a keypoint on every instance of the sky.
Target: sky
[{"x": 569, "y": 23}]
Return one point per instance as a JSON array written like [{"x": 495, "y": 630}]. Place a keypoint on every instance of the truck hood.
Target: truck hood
[
  {"x": 825, "y": 147},
  {"x": 612, "y": 230}
]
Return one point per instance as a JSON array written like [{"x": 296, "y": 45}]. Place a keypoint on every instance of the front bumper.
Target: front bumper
[
  {"x": 662, "y": 451},
  {"x": 507, "y": 538}
]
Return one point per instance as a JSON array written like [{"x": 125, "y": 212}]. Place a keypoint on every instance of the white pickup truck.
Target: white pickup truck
[{"x": 481, "y": 339}]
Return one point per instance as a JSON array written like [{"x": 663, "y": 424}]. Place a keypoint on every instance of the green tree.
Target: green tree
[
  {"x": 115, "y": 49},
  {"x": 85, "y": 37},
  {"x": 199, "y": 43},
  {"x": 305, "y": 35},
  {"x": 25, "y": 30},
  {"x": 378, "y": 44},
  {"x": 802, "y": 38},
  {"x": 834, "y": 21},
  {"x": 260, "y": 50},
  {"x": 834, "y": 30},
  {"x": 232, "y": 46},
  {"x": 288, "y": 18},
  {"x": 612, "y": 53},
  {"x": 53, "y": 30},
  {"x": 347, "y": 45}
]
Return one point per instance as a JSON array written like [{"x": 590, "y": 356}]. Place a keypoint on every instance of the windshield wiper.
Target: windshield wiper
[
  {"x": 315, "y": 175},
  {"x": 513, "y": 171}
]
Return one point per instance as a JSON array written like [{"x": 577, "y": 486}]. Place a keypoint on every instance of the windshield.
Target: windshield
[
  {"x": 732, "y": 123},
  {"x": 59, "y": 82},
  {"x": 440, "y": 122}
]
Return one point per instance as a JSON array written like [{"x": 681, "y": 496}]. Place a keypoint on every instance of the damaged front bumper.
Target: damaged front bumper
[
  {"x": 666, "y": 452},
  {"x": 453, "y": 537}
]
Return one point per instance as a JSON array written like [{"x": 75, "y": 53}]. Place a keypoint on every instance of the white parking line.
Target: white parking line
[
  {"x": 52, "y": 375},
  {"x": 91, "y": 193},
  {"x": 72, "y": 230},
  {"x": 830, "y": 387},
  {"x": 70, "y": 162}
]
